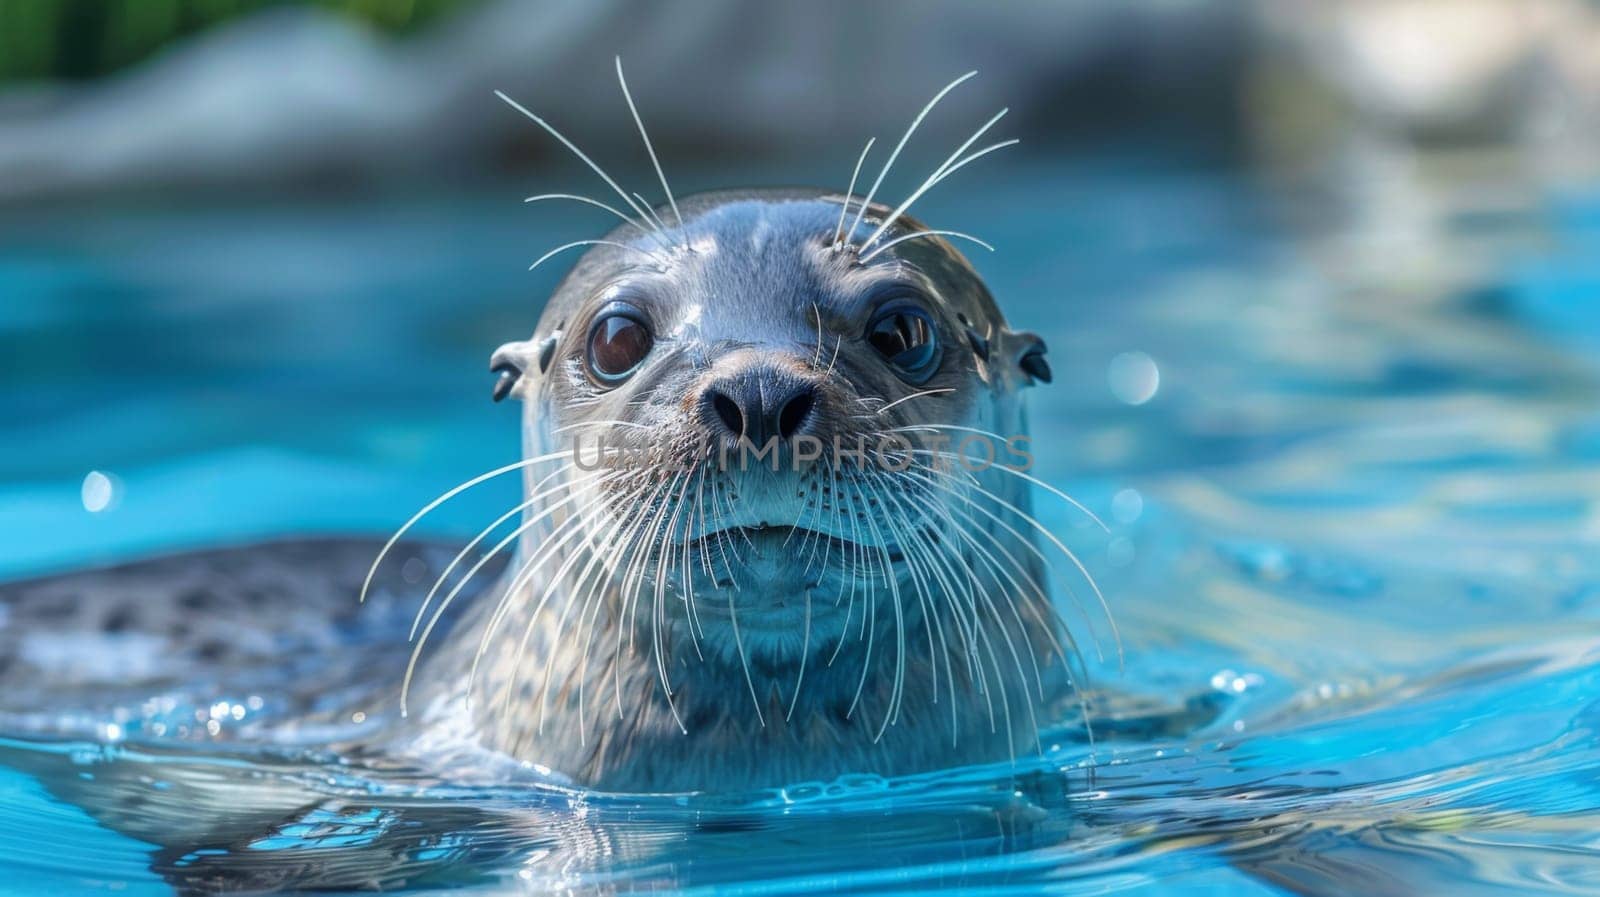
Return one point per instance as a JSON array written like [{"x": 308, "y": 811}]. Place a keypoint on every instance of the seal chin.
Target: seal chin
[{"x": 774, "y": 582}]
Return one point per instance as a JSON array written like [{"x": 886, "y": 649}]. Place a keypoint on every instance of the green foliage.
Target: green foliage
[{"x": 80, "y": 39}]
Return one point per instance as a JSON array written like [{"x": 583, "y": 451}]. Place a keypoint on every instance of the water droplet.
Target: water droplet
[
  {"x": 1120, "y": 551},
  {"x": 1133, "y": 377},
  {"x": 100, "y": 491},
  {"x": 1127, "y": 505}
]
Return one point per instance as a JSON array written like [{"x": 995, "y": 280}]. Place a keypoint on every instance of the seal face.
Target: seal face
[{"x": 775, "y": 527}]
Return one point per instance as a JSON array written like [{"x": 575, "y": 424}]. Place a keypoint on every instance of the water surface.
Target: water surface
[{"x": 1349, "y": 452}]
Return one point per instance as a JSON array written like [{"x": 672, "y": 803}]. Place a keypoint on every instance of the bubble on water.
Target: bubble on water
[
  {"x": 1127, "y": 505},
  {"x": 1120, "y": 551},
  {"x": 1133, "y": 377},
  {"x": 101, "y": 491},
  {"x": 1238, "y": 683},
  {"x": 413, "y": 569}
]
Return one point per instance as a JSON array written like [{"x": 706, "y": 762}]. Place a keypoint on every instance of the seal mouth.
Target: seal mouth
[{"x": 802, "y": 540}]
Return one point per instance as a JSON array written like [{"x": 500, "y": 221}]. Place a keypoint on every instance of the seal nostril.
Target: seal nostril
[
  {"x": 728, "y": 411},
  {"x": 794, "y": 414}
]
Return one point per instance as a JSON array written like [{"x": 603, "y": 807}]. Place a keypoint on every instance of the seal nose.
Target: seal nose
[{"x": 759, "y": 406}]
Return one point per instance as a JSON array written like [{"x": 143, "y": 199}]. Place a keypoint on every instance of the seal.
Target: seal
[
  {"x": 775, "y": 526},
  {"x": 775, "y": 522}
]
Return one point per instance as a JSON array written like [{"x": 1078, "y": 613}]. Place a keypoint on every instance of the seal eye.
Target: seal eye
[
  {"x": 905, "y": 336},
  {"x": 618, "y": 342}
]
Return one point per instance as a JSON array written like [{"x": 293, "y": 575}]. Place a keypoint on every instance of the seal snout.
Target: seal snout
[{"x": 758, "y": 401}]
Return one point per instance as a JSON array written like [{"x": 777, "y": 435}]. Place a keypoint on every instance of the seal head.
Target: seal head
[{"x": 774, "y": 527}]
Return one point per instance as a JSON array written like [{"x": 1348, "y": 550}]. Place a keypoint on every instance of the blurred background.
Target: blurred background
[{"x": 254, "y": 254}]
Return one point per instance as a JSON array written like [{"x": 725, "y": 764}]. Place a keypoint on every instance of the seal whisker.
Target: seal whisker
[
  {"x": 576, "y": 243},
  {"x": 805, "y": 651},
  {"x": 642, "y": 228},
  {"x": 613, "y": 563},
  {"x": 837, "y": 342},
  {"x": 989, "y": 605},
  {"x": 366, "y": 584},
  {"x": 1034, "y": 524},
  {"x": 653, "y": 543},
  {"x": 1021, "y": 474},
  {"x": 556, "y": 579},
  {"x": 685, "y": 552},
  {"x": 723, "y": 540},
  {"x": 744, "y": 660},
  {"x": 897, "y": 689},
  {"x": 916, "y": 395},
  {"x": 884, "y": 171},
  {"x": 585, "y": 588},
  {"x": 586, "y": 583},
  {"x": 1006, "y": 572},
  {"x": 919, "y": 471},
  {"x": 1099, "y": 596},
  {"x": 654, "y": 218},
  {"x": 645, "y": 136},
  {"x": 922, "y": 524},
  {"x": 910, "y": 541},
  {"x": 844, "y": 506},
  {"x": 816, "y": 354},
  {"x": 562, "y": 534},
  {"x": 637, "y": 570},
  {"x": 422, "y": 639},
  {"x": 1005, "y": 701},
  {"x": 610, "y": 422},
  {"x": 922, "y": 234},
  {"x": 967, "y": 625},
  {"x": 637, "y": 557},
  {"x": 938, "y": 175},
  {"x": 949, "y": 170},
  {"x": 913, "y": 545},
  {"x": 549, "y": 128},
  {"x": 460, "y": 555},
  {"x": 869, "y": 606},
  {"x": 669, "y": 545},
  {"x": 850, "y": 192}
]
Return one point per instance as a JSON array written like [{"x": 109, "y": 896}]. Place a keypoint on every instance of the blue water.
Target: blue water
[{"x": 1348, "y": 447}]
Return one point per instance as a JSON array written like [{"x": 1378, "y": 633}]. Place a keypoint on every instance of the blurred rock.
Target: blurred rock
[
  {"x": 1435, "y": 73},
  {"x": 297, "y": 94}
]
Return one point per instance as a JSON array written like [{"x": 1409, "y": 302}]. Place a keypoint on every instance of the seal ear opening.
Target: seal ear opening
[
  {"x": 1030, "y": 351},
  {"x": 508, "y": 361}
]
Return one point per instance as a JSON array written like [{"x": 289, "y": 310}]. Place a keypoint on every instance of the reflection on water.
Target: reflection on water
[{"x": 1352, "y": 478}]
